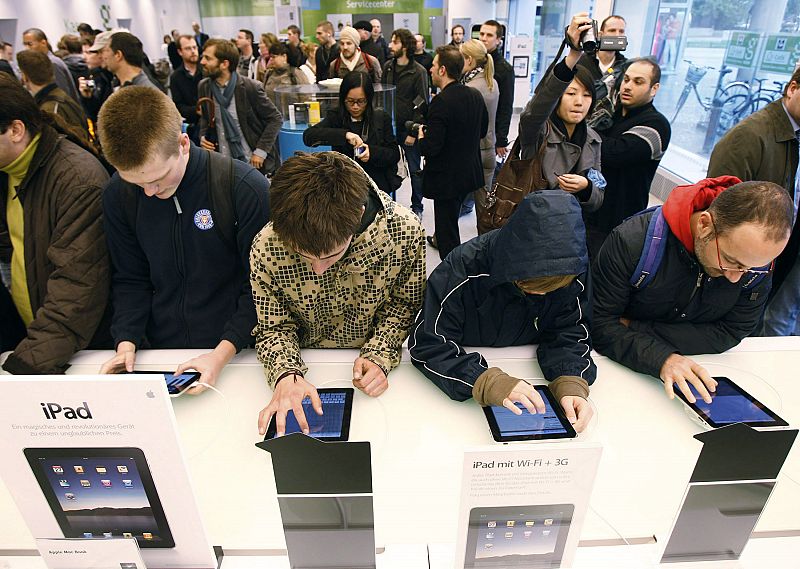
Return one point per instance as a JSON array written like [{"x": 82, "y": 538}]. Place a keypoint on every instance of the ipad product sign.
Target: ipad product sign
[
  {"x": 523, "y": 506},
  {"x": 96, "y": 458}
]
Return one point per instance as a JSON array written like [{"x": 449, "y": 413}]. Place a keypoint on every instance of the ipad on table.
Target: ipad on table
[
  {"x": 731, "y": 404},
  {"x": 333, "y": 425},
  {"x": 101, "y": 493},
  {"x": 508, "y": 427},
  {"x": 176, "y": 384},
  {"x": 517, "y": 536}
]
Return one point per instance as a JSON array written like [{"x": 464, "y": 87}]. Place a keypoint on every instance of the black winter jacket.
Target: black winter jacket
[
  {"x": 175, "y": 282},
  {"x": 383, "y": 150},
  {"x": 682, "y": 310},
  {"x": 630, "y": 153},
  {"x": 471, "y": 299},
  {"x": 410, "y": 83},
  {"x": 183, "y": 88},
  {"x": 504, "y": 75},
  {"x": 457, "y": 121}
]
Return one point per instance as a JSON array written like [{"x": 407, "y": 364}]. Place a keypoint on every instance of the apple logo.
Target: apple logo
[{"x": 150, "y": 394}]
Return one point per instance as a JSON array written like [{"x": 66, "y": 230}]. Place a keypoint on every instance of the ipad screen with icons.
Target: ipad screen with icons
[
  {"x": 517, "y": 536},
  {"x": 101, "y": 493}
]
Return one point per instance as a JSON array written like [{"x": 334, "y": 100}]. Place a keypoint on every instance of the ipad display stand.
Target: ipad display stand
[
  {"x": 731, "y": 483},
  {"x": 325, "y": 497}
]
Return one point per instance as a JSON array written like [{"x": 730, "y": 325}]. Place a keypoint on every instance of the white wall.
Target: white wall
[
  {"x": 150, "y": 19},
  {"x": 478, "y": 10},
  {"x": 227, "y": 27}
]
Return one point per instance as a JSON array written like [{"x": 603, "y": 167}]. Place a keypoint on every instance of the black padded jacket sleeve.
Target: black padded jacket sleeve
[{"x": 435, "y": 340}]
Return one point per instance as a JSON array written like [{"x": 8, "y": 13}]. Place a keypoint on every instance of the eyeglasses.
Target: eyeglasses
[
  {"x": 355, "y": 102},
  {"x": 737, "y": 270}
]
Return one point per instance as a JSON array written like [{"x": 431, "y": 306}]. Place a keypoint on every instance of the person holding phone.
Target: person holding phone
[
  {"x": 341, "y": 265},
  {"x": 180, "y": 257},
  {"x": 526, "y": 283},
  {"x": 556, "y": 116},
  {"x": 359, "y": 131}
]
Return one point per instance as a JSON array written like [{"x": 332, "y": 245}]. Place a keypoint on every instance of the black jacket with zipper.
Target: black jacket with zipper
[
  {"x": 682, "y": 310},
  {"x": 504, "y": 75},
  {"x": 175, "y": 283}
]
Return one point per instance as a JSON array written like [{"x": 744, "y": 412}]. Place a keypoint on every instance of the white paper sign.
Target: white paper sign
[
  {"x": 524, "y": 504},
  {"x": 98, "y": 457},
  {"x": 121, "y": 553}
]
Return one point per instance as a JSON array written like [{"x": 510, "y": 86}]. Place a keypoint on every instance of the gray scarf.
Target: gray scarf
[{"x": 232, "y": 133}]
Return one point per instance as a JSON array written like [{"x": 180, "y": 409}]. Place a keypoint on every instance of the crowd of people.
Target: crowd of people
[{"x": 143, "y": 211}]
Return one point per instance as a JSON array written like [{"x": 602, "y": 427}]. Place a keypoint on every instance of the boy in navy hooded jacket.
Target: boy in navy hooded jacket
[{"x": 526, "y": 283}]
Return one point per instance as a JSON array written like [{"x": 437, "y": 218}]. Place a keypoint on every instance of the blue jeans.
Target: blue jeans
[
  {"x": 781, "y": 316},
  {"x": 414, "y": 172}
]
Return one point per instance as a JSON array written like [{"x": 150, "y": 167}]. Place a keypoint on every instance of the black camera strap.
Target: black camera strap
[{"x": 564, "y": 43}]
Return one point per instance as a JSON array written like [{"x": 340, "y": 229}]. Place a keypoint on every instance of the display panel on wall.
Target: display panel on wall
[
  {"x": 225, "y": 8},
  {"x": 316, "y": 11}
]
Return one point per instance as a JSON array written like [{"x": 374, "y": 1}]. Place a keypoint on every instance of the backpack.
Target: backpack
[
  {"x": 219, "y": 172},
  {"x": 655, "y": 244},
  {"x": 338, "y": 63}
]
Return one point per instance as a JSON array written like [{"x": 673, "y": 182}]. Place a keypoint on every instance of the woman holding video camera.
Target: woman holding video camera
[
  {"x": 357, "y": 130},
  {"x": 556, "y": 117}
]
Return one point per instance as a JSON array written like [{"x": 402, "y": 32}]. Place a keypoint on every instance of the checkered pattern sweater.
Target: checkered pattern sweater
[{"x": 367, "y": 300}]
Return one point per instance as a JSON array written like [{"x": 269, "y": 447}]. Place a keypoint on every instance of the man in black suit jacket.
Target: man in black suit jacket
[{"x": 456, "y": 122}]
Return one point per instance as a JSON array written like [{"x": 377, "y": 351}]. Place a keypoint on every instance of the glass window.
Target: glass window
[{"x": 721, "y": 60}]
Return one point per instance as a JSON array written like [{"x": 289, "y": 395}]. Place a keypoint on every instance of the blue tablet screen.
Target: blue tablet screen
[
  {"x": 729, "y": 406},
  {"x": 328, "y": 425},
  {"x": 511, "y": 425}
]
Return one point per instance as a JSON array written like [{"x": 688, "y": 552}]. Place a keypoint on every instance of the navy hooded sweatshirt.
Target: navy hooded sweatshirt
[
  {"x": 471, "y": 298},
  {"x": 175, "y": 282}
]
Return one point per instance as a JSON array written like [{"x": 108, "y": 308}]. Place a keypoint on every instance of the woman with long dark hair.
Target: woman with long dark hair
[
  {"x": 359, "y": 131},
  {"x": 556, "y": 117}
]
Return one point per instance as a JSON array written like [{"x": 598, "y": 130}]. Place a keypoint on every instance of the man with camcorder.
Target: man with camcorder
[
  {"x": 456, "y": 122},
  {"x": 604, "y": 62},
  {"x": 632, "y": 147}
]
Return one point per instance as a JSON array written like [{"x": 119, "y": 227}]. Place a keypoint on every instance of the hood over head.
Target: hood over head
[{"x": 544, "y": 237}]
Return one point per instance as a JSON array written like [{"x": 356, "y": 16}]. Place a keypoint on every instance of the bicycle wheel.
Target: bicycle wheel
[
  {"x": 734, "y": 109},
  {"x": 681, "y": 102},
  {"x": 759, "y": 104},
  {"x": 734, "y": 88}
]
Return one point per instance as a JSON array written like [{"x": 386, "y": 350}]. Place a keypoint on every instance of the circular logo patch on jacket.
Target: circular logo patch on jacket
[{"x": 203, "y": 220}]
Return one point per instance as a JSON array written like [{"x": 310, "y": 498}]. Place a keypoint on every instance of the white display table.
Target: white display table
[{"x": 418, "y": 436}]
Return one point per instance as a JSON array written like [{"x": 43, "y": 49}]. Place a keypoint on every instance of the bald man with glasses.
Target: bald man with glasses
[{"x": 689, "y": 277}]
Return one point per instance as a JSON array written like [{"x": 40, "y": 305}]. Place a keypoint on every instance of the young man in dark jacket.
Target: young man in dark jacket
[
  {"x": 328, "y": 49},
  {"x": 457, "y": 120},
  {"x": 251, "y": 132},
  {"x": 39, "y": 79},
  {"x": 707, "y": 292},
  {"x": 180, "y": 263},
  {"x": 630, "y": 152},
  {"x": 526, "y": 283},
  {"x": 51, "y": 230},
  {"x": 491, "y": 35},
  {"x": 411, "y": 84},
  {"x": 183, "y": 84}
]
